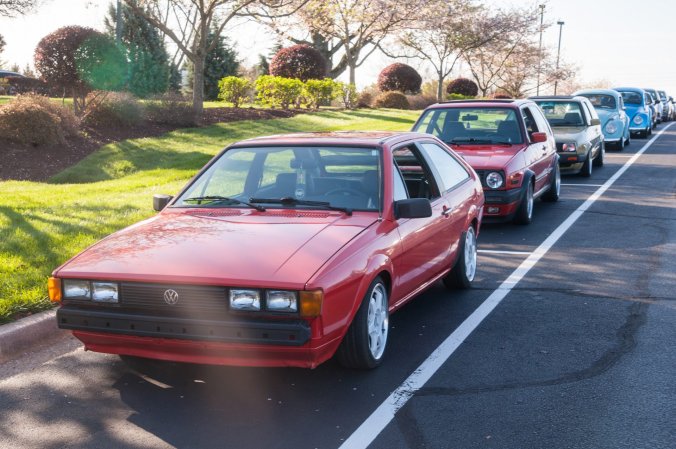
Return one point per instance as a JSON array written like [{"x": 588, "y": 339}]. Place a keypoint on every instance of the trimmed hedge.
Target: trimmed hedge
[
  {"x": 399, "y": 77},
  {"x": 301, "y": 61},
  {"x": 36, "y": 120},
  {"x": 463, "y": 86},
  {"x": 394, "y": 100}
]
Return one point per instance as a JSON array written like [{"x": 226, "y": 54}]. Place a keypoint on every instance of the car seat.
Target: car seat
[{"x": 509, "y": 131}]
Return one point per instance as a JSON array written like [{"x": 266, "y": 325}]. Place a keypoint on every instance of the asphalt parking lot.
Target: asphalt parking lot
[{"x": 578, "y": 351}]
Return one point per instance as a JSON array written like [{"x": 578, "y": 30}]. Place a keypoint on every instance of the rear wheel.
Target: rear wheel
[
  {"x": 554, "y": 190},
  {"x": 364, "y": 343},
  {"x": 524, "y": 214},
  {"x": 462, "y": 274}
]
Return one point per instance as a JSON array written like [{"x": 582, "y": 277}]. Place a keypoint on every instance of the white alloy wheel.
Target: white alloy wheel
[
  {"x": 470, "y": 254},
  {"x": 377, "y": 321}
]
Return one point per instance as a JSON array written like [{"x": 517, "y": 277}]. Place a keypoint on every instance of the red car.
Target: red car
[
  {"x": 282, "y": 251},
  {"x": 510, "y": 145}
]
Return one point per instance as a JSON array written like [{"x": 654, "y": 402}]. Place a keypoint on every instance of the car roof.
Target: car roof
[
  {"x": 629, "y": 89},
  {"x": 558, "y": 97},
  {"x": 334, "y": 138},
  {"x": 491, "y": 103},
  {"x": 611, "y": 92}
]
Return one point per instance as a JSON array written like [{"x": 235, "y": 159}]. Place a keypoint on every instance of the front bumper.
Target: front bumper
[
  {"x": 240, "y": 343},
  {"x": 501, "y": 204}
]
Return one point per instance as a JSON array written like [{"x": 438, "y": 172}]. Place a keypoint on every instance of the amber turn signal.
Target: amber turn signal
[
  {"x": 54, "y": 286},
  {"x": 311, "y": 303}
]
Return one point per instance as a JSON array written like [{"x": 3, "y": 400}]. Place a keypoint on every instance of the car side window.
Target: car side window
[
  {"x": 399, "y": 192},
  {"x": 540, "y": 120},
  {"x": 419, "y": 180},
  {"x": 451, "y": 172},
  {"x": 529, "y": 121},
  {"x": 589, "y": 113}
]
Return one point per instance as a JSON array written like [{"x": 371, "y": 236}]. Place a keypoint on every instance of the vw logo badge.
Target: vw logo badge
[{"x": 171, "y": 297}]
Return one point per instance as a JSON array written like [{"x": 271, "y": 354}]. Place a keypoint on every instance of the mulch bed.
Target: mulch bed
[{"x": 31, "y": 163}]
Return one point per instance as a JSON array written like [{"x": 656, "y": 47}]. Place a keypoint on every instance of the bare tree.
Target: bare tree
[
  {"x": 11, "y": 8},
  {"x": 353, "y": 29},
  {"x": 187, "y": 24}
]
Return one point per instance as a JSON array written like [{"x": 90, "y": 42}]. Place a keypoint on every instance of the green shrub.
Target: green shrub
[
  {"x": 392, "y": 99},
  {"x": 347, "y": 93},
  {"x": 364, "y": 100},
  {"x": 106, "y": 109},
  {"x": 36, "y": 120},
  {"x": 234, "y": 89},
  {"x": 318, "y": 92},
  {"x": 276, "y": 91},
  {"x": 458, "y": 97},
  {"x": 170, "y": 109}
]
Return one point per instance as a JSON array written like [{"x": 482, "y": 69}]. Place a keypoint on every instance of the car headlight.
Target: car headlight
[
  {"x": 570, "y": 147},
  {"x": 637, "y": 120},
  {"x": 241, "y": 299},
  {"x": 281, "y": 301},
  {"x": 76, "y": 289},
  {"x": 105, "y": 292},
  {"x": 611, "y": 128},
  {"x": 494, "y": 180}
]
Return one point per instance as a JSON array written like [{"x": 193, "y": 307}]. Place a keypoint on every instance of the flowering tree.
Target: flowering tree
[{"x": 10, "y": 8}]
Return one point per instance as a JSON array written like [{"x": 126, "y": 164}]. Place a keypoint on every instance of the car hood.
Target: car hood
[
  {"x": 633, "y": 110},
  {"x": 569, "y": 133},
  {"x": 483, "y": 157},
  {"x": 281, "y": 248},
  {"x": 606, "y": 114}
]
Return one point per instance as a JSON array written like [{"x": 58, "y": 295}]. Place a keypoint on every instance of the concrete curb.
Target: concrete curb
[{"x": 17, "y": 337}]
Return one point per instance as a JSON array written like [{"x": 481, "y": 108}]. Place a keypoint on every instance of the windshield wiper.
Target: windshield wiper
[
  {"x": 291, "y": 201},
  {"x": 211, "y": 199},
  {"x": 475, "y": 141}
]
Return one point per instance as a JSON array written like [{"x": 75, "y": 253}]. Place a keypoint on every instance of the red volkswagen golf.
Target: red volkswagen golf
[
  {"x": 510, "y": 145},
  {"x": 282, "y": 251}
]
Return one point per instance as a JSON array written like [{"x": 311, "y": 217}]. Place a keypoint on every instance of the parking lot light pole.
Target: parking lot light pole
[
  {"x": 542, "y": 16},
  {"x": 560, "y": 23}
]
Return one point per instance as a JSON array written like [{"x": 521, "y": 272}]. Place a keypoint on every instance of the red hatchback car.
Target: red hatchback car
[
  {"x": 510, "y": 145},
  {"x": 282, "y": 251}
]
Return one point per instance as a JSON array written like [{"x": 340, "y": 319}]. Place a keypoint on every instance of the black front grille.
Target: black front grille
[
  {"x": 559, "y": 146},
  {"x": 482, "y": 176},
  {"x": 191, "y": 299}
]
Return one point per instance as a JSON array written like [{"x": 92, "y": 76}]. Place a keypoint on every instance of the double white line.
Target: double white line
[{"x": 384, "y": 414}]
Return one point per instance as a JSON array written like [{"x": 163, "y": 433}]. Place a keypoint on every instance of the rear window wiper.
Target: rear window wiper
[
  {"x": 291, "y": 201},
  {"x": 211, "y": 199},
  {"x": 469, "y": 140}
]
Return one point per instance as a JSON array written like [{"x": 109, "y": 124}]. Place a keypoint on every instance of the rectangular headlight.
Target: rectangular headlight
[
  {"x": 241, "y": 299},
  {"x": 76, "y": 289},
  {"x": 281, "y": 301},
  {"x": 105, "y": 292}
]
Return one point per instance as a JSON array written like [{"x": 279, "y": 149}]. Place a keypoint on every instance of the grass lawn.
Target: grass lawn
[
  {"x": 44, "y": 224},
  {"x": 5, "y": 99}
]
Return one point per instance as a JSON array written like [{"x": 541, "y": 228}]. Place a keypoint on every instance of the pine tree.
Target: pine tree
[
  {"x": 220, "y": 62},
  {"x": 147, "y": 55}
]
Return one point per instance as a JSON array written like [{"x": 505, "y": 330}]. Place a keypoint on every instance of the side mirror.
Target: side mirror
[
  {"x": 160, "y": 201},
  {"x": 413, "y": 208},
  {"x": 595, "y": 122},
  {"x": 538, "y": 137}
]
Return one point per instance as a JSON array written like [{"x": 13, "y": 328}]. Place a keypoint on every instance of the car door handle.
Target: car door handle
[{"x": 446, "y": 210}]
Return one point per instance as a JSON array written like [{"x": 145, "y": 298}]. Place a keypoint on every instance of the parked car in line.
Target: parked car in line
[
  {"x": 510, "y": 146},
  {"x": 577, "y": 130},
  {"x": 637, "y": 101},
  {"x": 656, "y": 104},
  {"x": 282, "y": 251},
  {"x": 667, "y": 106},
  {"x": 611, "y": 111}
]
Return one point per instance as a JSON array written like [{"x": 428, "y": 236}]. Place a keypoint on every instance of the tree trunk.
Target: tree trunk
[
  {"x": 353, "y": 68},
  {"x": 440, "y": 87},
  {"x": 198, "y": 88}
]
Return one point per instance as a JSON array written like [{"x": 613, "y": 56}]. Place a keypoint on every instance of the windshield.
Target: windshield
[
  {"x": 602, "y": 101},
  {"x": 303, "y": 177},
  {"x": 631, "y": 98},
  {"x": 562, "y": 113},
  {"x": 663, "y": 95},
  {"x": 474, "y": 125}
]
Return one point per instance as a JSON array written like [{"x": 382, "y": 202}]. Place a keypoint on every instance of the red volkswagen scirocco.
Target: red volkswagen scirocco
[{"x": 282, "y": 251}]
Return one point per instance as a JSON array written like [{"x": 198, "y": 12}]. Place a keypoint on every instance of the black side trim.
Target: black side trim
[{"x": 287, "y": 333}]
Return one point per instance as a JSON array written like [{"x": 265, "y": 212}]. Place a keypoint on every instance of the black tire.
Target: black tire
[
  {"x": 587, "y": 167},
  {"x": 620, "y": 145},
  {"x": 356, "y": 350},
  {"x": 554, "y": 192},
  {"x": 600, "y": 157},
  {"x": 628, "y": 140},
  {"x": 524, "y": 214},
  {"x": 464, "y": 270}
]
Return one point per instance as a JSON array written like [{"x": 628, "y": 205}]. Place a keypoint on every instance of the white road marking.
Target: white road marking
[
  {"x": 583, "y": 185},
  {"x": 384, "y": 414},
  {"x": 495, "y": 251}
]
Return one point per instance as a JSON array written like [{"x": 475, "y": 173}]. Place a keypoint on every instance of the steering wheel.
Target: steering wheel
[{"x": 346, "y": 191}]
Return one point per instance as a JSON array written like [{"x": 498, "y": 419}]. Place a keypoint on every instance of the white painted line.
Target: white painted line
[
  {"x": 384, "y": 414},
  {"x": 583, "y": 185},
  {"x": 495, "y": 251}
]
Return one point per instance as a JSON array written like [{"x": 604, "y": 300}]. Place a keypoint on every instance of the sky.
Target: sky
[{"x": 613, "y": 40}]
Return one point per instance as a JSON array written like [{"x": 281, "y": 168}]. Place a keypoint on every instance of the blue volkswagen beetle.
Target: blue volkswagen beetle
[
  {"x": 637, "y": 104},
  {"x": 610, "y": 107}
]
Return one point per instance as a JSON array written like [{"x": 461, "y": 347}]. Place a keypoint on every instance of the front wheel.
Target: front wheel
[
  {"x": 464, "y": 270},
  {"x": 364, "y": 343},
  {"x": 524, "y": 214}
]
